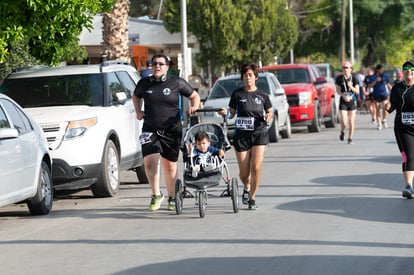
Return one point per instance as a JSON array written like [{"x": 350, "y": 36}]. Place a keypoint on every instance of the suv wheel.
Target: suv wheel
[
  {"x": 108, "y": 182},
  {"x": 42, "y": 202},
  {"x": 142, "y": 177}
]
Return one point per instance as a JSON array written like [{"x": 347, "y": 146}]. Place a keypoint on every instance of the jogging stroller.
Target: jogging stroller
[{"x": 211, "y": 174}]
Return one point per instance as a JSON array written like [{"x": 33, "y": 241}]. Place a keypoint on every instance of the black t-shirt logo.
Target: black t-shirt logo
[{"x": 166, "y": 91}]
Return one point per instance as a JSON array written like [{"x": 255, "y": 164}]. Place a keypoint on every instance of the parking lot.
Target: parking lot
[{"x": 325, "y": 207}]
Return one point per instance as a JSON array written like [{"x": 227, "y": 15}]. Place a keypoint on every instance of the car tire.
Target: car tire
[
  {"x": 108, "y": 181},
  {"x": 316, "y": 125},
  {"x": 42, "y": 202},
  {"x": 274, "y": 134},
  {"x": 142, "y": 177},
  {"x": 287, "y": 132},
  {"x": 331, "y": 122}
]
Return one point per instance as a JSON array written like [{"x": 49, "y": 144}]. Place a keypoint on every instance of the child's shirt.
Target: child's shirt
[{"x": 204, "y": 157}]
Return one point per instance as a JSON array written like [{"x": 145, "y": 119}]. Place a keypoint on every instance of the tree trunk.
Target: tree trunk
[{"x": 115, "y": 32}]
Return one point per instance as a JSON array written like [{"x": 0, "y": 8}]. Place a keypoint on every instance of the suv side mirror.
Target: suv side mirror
[
  {"x": 320, "y": 80},
  {"x": 120, "y": 98},
  {"x": 8, "y": 133}
]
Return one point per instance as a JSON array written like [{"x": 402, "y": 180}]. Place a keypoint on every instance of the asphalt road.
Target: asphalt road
[{"x": 325, "y": 207}]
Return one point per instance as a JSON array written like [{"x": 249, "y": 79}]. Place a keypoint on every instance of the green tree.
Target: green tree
[
  {"x": 382, "y": 30},
  {"x": 148, "y": 8},
  {"x": 270, "y": 30},
  {"x": 231, "y": 32},
  {"x": 50, "y": 28}
]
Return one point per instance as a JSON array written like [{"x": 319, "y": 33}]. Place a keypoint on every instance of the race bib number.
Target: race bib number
[
  {"x": 245, "y": 123},
  {"x": 407, "y": 118},
  {"x": 145, "y": 137}
]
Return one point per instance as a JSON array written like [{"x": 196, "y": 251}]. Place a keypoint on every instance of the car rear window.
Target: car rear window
[
  {"x": 293, "y": 75},
  {"x": 85, "y": 89},
  {"x": 224, "y": 88}
]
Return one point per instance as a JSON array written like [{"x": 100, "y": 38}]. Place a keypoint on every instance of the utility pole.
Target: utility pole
[
  {"x": 343, "y": 31},
  {"x": 184, "y": 45},
  {"x": 351, "y": 31}
]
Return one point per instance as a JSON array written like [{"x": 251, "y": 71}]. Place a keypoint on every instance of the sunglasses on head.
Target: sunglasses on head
[{"x": 406, "y": 68}]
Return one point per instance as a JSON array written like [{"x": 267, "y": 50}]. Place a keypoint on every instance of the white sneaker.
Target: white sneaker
[
  {"x": 384, "y": 124},
  {"x": 379, "y": 127}
]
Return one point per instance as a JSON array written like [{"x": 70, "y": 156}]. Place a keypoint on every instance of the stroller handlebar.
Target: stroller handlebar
[{"x": 207, "y": 110}]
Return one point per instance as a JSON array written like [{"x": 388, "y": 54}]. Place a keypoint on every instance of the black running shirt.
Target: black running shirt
[
  {"x": 162, "y": 104},
  {"x": 402, "y": 100},
  {"x": 250, "y": 110}
]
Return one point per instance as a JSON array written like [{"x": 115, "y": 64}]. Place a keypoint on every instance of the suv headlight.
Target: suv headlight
[
  {"x": 305, "y": 98},
  {"x": 77, "y": 128}
]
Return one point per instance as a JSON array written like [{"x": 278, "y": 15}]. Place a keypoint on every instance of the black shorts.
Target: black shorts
[
  {"x": 380, "y": 98},
  {"x": 244, "y": 141},
  {"x": 347, "y": 106},
  {"x": 165, "y": 142}
]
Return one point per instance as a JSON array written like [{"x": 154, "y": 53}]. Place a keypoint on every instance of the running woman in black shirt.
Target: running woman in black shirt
[
  {"x": 157, "y": 100},
  {"x": 253, "y": 111},
  {"x": 402, "y": 101}
]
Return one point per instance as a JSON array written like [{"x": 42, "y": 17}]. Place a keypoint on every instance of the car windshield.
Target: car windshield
[
  {"x": 293, "y": 75},
  {"x": 85, "y": 89},
  {"x": 224, "y": 88}
]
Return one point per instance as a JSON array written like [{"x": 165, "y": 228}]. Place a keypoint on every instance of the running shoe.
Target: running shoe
[
  {"x": 341, "y": 136},
  {"x": 350, "y": 141},
  {"x": 252, "y": 205},
  {"x": 245, "y": 196},
  {"x": 408, "y": 192},
  {"x": 156, "y": 202},
  {"x": 171, "y": 204},
  {"x": 384, "y": 124},
  {"x": 379, "y": 126}
]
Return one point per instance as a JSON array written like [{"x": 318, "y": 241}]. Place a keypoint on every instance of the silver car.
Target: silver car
[
  {"x": 25, "y": 161},
  {"x": 224, "y": 87}
]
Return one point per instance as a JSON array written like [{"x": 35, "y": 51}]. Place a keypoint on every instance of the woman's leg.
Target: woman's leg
[
  {"x": 351, "y": 119},
  {"x": 243, "y": 159},
  {"x": 256, "y": 162}
]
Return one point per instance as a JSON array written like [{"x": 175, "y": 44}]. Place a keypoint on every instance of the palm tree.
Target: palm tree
[{"x": 115, "y": 32}]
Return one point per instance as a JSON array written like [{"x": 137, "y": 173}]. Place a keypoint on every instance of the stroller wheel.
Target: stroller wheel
[
  {"x": 179, "y": 197},
  {"x": 235, "y": 194},
  {"x": 202, "y": 203}
]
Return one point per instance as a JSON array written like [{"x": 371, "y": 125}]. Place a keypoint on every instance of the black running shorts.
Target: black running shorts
[
  {"x": 167, "y": 143},
  {"x": 380, "y": 98},
  {"x": 347, "y": 106},
  {"x": 244, "y": 141}
]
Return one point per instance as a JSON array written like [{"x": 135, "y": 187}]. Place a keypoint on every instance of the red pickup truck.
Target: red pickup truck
[{"x": 311, "y": 98}]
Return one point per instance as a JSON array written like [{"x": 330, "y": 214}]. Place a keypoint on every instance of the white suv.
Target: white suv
[{"x": 88, "y": 117}]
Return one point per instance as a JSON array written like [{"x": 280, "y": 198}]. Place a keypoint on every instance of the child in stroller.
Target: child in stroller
[
  {"x": 203, "y": 148},
  {"x": 205, "y": 157}
]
